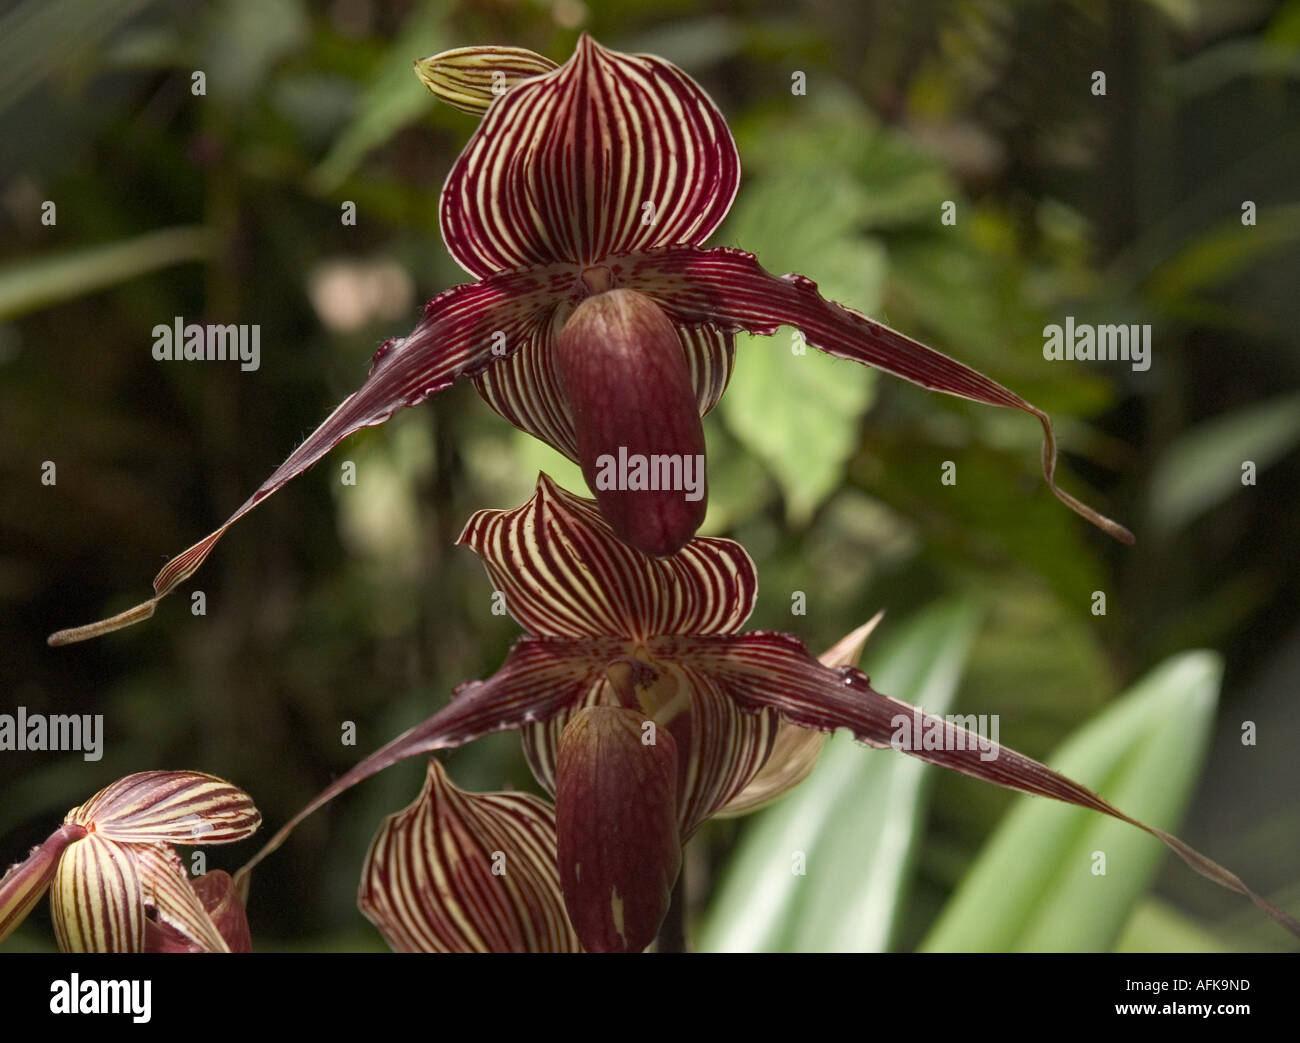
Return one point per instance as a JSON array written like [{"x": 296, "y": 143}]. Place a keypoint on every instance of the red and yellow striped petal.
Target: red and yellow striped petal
[
  {"x": 796, "y": 749},
  {"x": 472, "y": 78},
  {"x": 96, "y": 901},
  {"x": 729, "y": 288},
  {"x": 525, "y": 388},
  {"x": 720, "y": 748},
  {"x": 467, "y": 872},
  {"x": 170, "y": 807},
  {"x": 24, "y": 883},
  {"x": 465, "y": 329},
  {"x": 763, "y": 670},
  {"x": 610, "y": 153},
  {"x": 216, "y": 890},
  {"x": 180, "y": 922},
  {"x": 564, "y": 572}
]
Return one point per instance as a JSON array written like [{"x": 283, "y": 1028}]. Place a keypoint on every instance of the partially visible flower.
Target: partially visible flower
[
  {"x": 598, "y": 320},
  {"x": 467, "y": 872},
  {"x": 479, "y": 872},
  {"x": 116, "y": 883},
  {"x": 645, "y": 710}
]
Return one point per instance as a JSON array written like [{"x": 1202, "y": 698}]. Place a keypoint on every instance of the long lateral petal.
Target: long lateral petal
[
  {"x": 96, "y": 902},
  {"x": 610, "y": 153},
  {"x": 767, "y": 670},
  {"x": 170, "y": 807},
  {"x": 564, "y": 572},
  {"x": 539, "y": 678},
  {"x": 729, "y": 288},
  {"x": 25, "y": 882},
  {"x": 463, "y": 331},
  {"x": 467, "y": 872},
  {"x": 472, "y": 78}
]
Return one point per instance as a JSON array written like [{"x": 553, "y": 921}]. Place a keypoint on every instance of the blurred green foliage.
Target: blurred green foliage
[{"x": 334, "y": 603}]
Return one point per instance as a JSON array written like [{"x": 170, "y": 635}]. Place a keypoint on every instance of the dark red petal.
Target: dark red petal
[
  {"x": 25, "y": 882},
  {"x": 729, "y": 288},
  {"x": 639, "y": 437},
  {"x": 610, "y": 153},
  {"x": 524, "y": 388},
  {"x": 765, "y": 670},
  {"x": 464, "y": 330},
  {"x": 616, "y": 820},
  {"x": 564, "y": 572},
  {"x": 467, "y": 872},
  {"x": 216, "y": 890},
  {"x": 795, "y": 750},
  {"x": 539, "y": 678}
]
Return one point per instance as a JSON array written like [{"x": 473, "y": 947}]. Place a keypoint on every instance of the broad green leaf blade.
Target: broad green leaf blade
[
  {"x": 854, "y": 820},
  {"x": 1205, "y": 466},
  {"x": 1037, "y": 885},
  {"x": 793, "y": 408},
  {"x": 1156, "y": 926},
  {"x": 29, "y": 285}
]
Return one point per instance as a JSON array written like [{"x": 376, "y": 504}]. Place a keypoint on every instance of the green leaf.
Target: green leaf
[
  {"x": 799, "y": 412},
  {"x": 1225, "y": 251},
  {"x": 30, "y": 285},
  {"x": 855, "y": 819},
  {"x": 1034, "y": 887},
  {"x": 1156, "y": 926},
  {"x": 1204, "y": 467},
  {"x": 393, "y": 99}
]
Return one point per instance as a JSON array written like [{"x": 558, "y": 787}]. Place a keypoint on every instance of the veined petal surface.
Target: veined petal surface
[
  {"x": 97, "y": 903},
  {"x": 720, "y": 748},
  {"x": 467, "y": 872},
  {"x": 610, "y": 153},
  {"x": 795, "y": 750},
  {"x": 25, "y": 883},
  {"x": 171, "y": 807},
  {"x": 564, "y": 572},
  {"x": 170, "y": 894},
  {"x": 524, "y": 388}
]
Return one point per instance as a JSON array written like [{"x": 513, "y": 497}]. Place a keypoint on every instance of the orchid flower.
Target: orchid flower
[
  {"x": 428, "y": 883},
  {"x": 116, "y": 883},
  {"x": 597, "y": 320},
  {"x": 644, "y": 710}
]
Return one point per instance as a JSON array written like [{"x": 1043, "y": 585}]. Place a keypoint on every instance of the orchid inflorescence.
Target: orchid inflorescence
[{"x": 600, "y": 323}]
